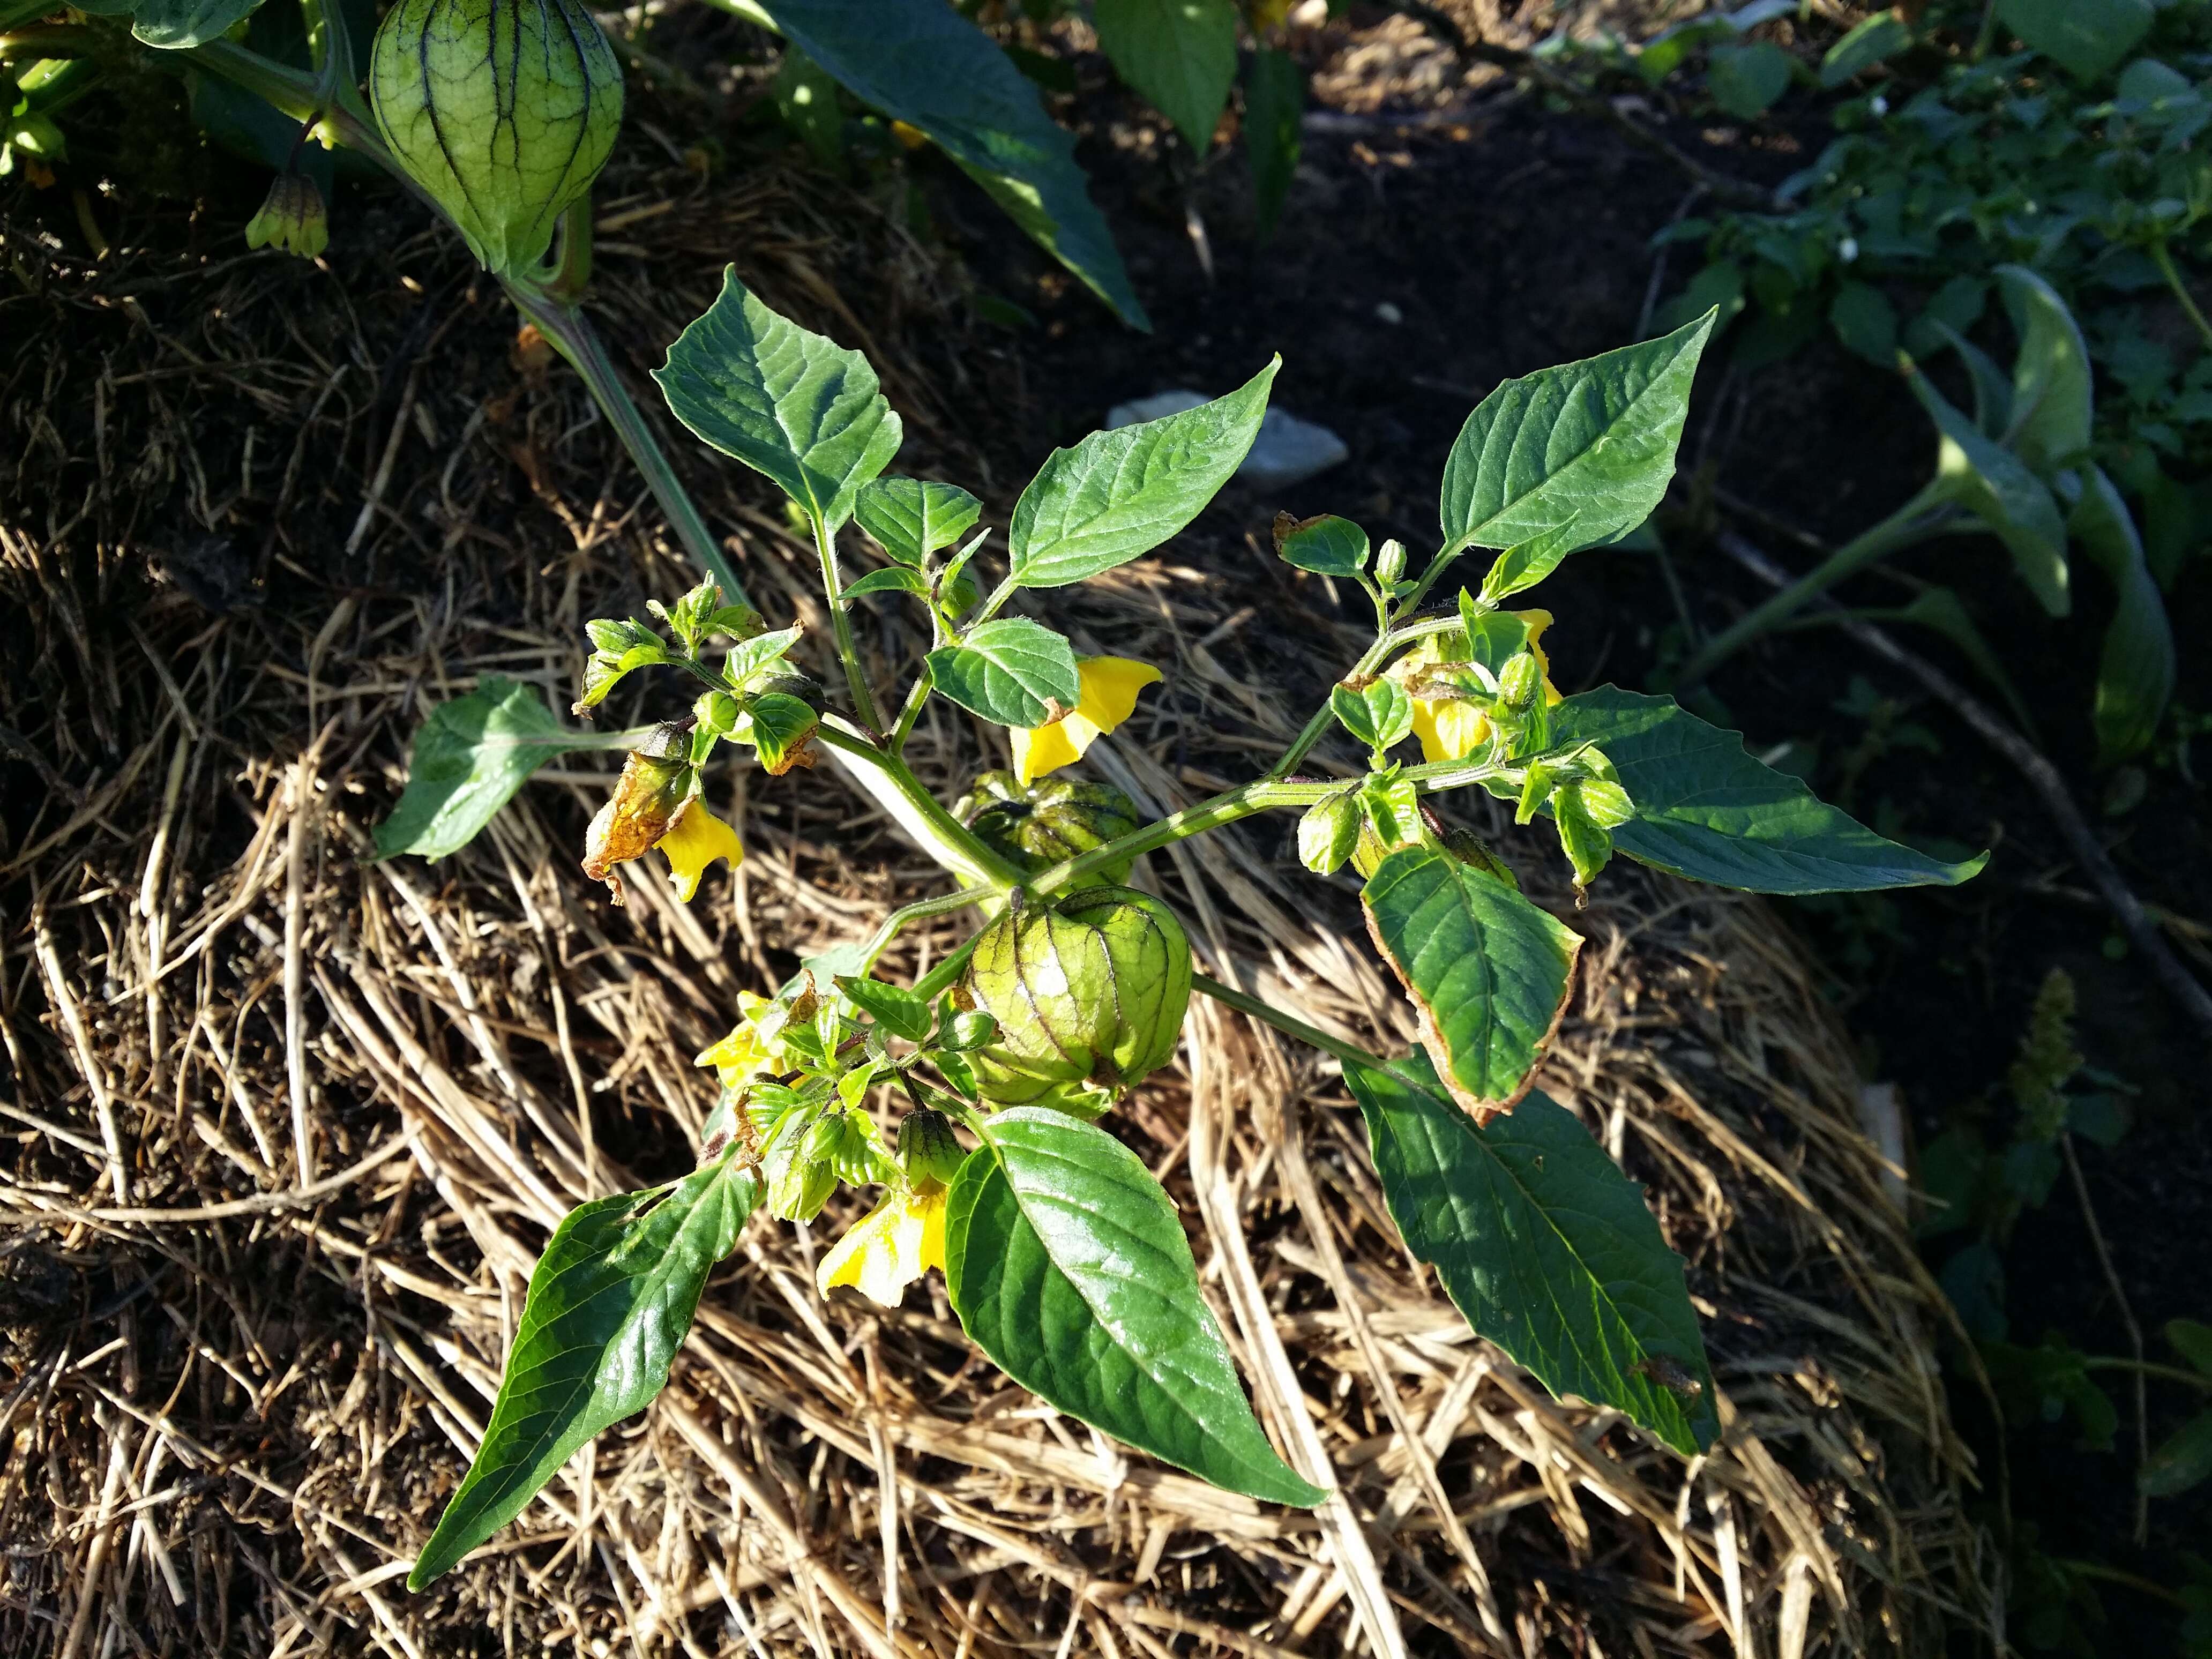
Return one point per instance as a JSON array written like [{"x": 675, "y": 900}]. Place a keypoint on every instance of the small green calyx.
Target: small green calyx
[
  {"x": 292, "y": 218},
  {"x": 503, "y": 110},
  {"x": 1037, "y": 826},
  {"x": 1089, "y": 995},
  {"x": 928, "y": 1151}
]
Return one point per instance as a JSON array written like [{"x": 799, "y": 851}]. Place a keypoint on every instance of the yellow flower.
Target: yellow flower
[
  {"x": 1449, "y": 728},
  {"x": 694, "y": 841},
  {"x": 745, "y": 1054},
  {"x": 650, "y": 793},
  {"x": 1108, "y": 696},
  {"x": 889, "y": 1248}
]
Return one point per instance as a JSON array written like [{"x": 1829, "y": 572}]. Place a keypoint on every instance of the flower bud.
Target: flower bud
[
  {"x": 1329, "y": 832},
  {"x": 1089, "y": 996},
  {"x": 1035, "y": 827},
  {"x": 1521, "y": 682},
  {"x": 292, "y": 218},
  {"x": 797, "y": 1184},
  {"x": 504, "y": 110}
]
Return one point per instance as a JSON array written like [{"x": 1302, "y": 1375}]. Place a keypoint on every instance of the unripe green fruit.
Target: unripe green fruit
[
  {"x": 1088, "y": 995},
  {"x": 1036, "y": 826},
  {"x": 503, "y": 110}
]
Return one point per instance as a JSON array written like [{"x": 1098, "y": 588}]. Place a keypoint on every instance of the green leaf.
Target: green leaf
[
  {"x": 806, "y": 98},
  {"x": 1876, "y": 37},
  {"x": 469, "y": 759},
  {"x": 175, "y": 25},
  {"x": 1180, "y": 54},
  {"x": 2192, "y": 1340},
  {"x": 2183, "y": 1461},
  {"x": 1380, "y": 714},
  {"x": 757, "y": 655},
  {"x": 1068, "y": 1267},
  {"x": 892, "y": 578},
  {"x": 1995, "y": 485},
  {"x": 1274, "y": 102},
  {"x": 1746, "y": 81},
  {"x": 1009, "y": 671},
  {"x": 1572, "y": 456},
  {"x": 1943, "y": 610},
  {"x": 2136, "y": 674},
  {"x": 1327, "y": 545},
  {"x": 1865, "y": 321},
  {"x": 609, "y": 1304},
  {"x": 1545, "y": 1246},
  {"x": 913, "y": 518},
  {"x": 780, "y": 725},
  {"x": 2052, "y": 397},
  {"x": 1488, "y": 971},
  {"x": 1116, "y": 496},
  {"x": 1328, "y": 832},
  {"x": 920, "y": 62},
  {"x": 791, "y": 404},
  {"x": 1706, "y": 810},
  {"x": 896, "y": 1009},
  {"x": 2087, "y": 37}
]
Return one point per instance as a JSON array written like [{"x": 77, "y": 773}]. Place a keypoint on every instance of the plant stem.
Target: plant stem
[
  {"x": 2163, "y": 257},
  {"x": 938, "y": 904},
  {"x": 45, "y": 41},
  {"x": 1913, "y": 522},
  {"x": 1315, "y": 728},
  {"x": 574, "y": 337},
  {"x": 840, "y": 625},
  {"x": 939, "y": 979},
  {"x": 916, "y": 696},
  {"x": 1239, "y": 803},
  {"x": 1287, "y": 1023},
  {"x": 2100, "y": 1362},
  {"x": 943, "y": 836}
]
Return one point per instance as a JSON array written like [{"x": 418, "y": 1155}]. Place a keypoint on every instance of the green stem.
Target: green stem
[
  {"x": 840, "y": 623},
  {"x": 939, "y": 904},
  {"x": 574, "y": 337},
  {"x": 1315, "y": 728},
  {"x": 1911, "y": 523},
  {"x": 2115, "y": 1576},
  {"x": 939, "y": 980},
  {"x": 1240, "y": 803},
  {"x": 1446, "y": 557},
  {"x": 1349, "y": 1053},
  {"x": 933, "y": 821},
  {"x": 2163, "y": 257},
  {"x": 916, "y": 696},
  {"x": 45, "y": 41}
]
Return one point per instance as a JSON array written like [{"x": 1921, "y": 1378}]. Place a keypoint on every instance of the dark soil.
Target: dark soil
[{"x": 1414, "y": 270}]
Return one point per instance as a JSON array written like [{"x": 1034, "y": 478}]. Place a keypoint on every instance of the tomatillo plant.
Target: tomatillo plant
[{"x": 1063, "y": 1257}]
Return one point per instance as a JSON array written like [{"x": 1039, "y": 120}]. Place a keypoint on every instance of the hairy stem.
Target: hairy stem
[
  {"x": 916, "y": 696},
  {"x": 1317, "y": 727},
  {"x": 1290, "y": 1026},
  {"x": 840, "y": 625},
  {"x": 1918, "y": 519},
  {"x": 938, "y": 904}
]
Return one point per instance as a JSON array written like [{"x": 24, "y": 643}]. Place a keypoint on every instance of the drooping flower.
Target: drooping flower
[
  {"x": 694, "y": 841},
  {"x": 890, "y": 1247},
  {"x": 1108, "y": 696},
  {"x": 746, "y": 1054},
  {"x": 651, "y": 790},
  {"x": 1453, "y": 729}
]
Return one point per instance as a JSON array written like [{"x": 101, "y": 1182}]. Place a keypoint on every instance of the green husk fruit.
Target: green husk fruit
[
  {"x": 503, "y": 110},
  {"x": 1036, "y": 826}
]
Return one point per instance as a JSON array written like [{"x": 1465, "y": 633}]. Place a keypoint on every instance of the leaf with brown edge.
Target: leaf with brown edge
[{"x": 1488, "y": 971}]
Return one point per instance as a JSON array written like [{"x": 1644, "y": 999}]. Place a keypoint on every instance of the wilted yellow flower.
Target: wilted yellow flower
[
  {"x": 292, "y": 218},
  {"x": 889, "y": 1248},
  {"x": 1108, "y": 696},
  {"x": 1449, "y": 728},
  {"x": 648, "y": 796},
  {"x": 694, "y": 841}
]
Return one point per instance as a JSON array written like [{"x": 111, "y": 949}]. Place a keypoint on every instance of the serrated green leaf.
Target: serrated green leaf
[
  {"x": 1274, "y": 104},
  {"x": 1996, "y": 486},
  {"x": 469, "y": 759},
  {"x": 1747, "y": 81},
  {"x": 1180, "y": 54},
  {"x": 1869, "y": 42},
  {"x": 1545, "y": 1246},
  {"x": 922, "y": 62},
  {"x": 1573, "y": 456},
  {"x": 914, "y": 518},
  {"x": 793, "y": 405},
  {"x": 1327, "y": 545},
  {"x": 1706, "y": 810},
  {"x": 609, "y": 1304},
  {"x": 2087, "y": 37},
  {"x": 1488, "y": 971},
  {"x": 2135, "y": 673},
  {"x": 2182, "y": 1461},
  {"x": 1119, "y": 495},
  {"x": 1068, "y": 1267},
  {"x": 1009, "y": 671}
]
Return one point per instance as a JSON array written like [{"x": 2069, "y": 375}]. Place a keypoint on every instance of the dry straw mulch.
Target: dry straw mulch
[{"x": 286, "y": 1127}]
